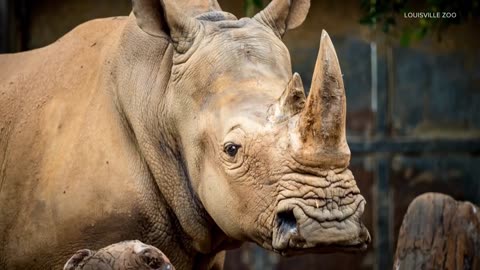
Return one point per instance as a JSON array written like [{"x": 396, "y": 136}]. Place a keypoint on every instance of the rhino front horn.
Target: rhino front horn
[{"x": 322, "y": 121}]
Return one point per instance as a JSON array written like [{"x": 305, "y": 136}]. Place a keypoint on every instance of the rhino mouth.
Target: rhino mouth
[{"x": 324, "y": 227}]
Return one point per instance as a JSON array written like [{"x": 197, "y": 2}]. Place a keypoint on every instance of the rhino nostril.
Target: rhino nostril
[
  {"x": 286, "y": 221},
  {"x": 152, "y": 258}
]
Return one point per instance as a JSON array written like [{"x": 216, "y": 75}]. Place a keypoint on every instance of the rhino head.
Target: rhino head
[{"x": 266, "y": 163}]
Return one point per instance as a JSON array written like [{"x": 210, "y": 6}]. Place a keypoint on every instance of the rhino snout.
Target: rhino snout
[{"x": 326, "y": 226}]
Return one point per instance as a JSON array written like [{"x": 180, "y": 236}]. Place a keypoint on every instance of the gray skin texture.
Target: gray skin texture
[
  {"x": 127, "y": 255},
  {"x": 180, "y": 126}
]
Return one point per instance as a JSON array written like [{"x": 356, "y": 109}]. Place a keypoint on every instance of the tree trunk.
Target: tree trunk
[{"x": 439, "y": 233}]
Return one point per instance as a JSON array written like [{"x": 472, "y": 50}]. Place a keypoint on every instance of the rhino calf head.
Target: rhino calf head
[
  {"x": 267, "y": 164},
  {"x": 121, "y": 256}
]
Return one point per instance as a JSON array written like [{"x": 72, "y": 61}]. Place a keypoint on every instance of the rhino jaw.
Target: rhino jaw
[{"x": 326, "y": 226}]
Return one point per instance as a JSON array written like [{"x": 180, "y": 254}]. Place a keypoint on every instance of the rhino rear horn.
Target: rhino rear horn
[
  {"x": 283, "y": 15},
  {"x": 174, "y": 19},
  {"x": 322, "y": 122},
  {"x": 292, "y": 100}
]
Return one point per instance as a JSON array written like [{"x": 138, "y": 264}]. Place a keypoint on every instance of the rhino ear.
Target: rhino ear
[
  {"x": 78, "y": 258},
  {"x": 171, "y": 18},
  {"x": 150, "y": 17},
  {"x": 283, "y": 15}
]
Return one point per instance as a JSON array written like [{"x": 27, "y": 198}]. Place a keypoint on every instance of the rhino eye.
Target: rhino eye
[{"x": 231, "y": 149}]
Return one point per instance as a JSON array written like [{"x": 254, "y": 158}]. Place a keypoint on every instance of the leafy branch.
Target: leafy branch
[{"x": 252, "y": 6}]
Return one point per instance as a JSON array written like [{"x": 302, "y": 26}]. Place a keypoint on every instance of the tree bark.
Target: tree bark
[{"x": 439, "y": 233}]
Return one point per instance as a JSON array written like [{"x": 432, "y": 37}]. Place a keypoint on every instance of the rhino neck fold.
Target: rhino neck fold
[{"x": 139, "y": 69}]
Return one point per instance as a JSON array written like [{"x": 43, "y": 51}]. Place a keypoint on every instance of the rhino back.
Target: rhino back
[
  {"x": 65, "y": 160},
  {"x": 65, "y": 69}
]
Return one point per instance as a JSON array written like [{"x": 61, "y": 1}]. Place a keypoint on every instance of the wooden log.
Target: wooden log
[{"x": 439, "y": 233}]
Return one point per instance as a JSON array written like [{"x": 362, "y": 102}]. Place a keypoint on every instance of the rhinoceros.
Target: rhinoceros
[
  {"x": 126, "y": 255},
  {"x": 181, "y": 126}
]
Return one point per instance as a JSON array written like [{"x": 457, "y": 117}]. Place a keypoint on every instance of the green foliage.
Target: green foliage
[
  {"x": 385, "y": 15},
  {"x": 252, "y": 6}
]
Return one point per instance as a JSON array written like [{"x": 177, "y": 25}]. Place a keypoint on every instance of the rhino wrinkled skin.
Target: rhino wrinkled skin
[{"x": 181, "y": 126}]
